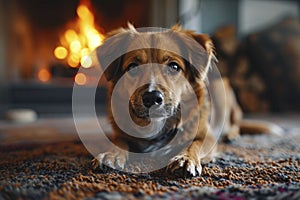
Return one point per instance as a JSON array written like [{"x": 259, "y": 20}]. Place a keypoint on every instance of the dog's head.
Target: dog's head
[{"x": 156, "y": 71}]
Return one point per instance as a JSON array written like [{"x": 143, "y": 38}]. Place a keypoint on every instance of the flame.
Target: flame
[{"x": 78, "y": 43}]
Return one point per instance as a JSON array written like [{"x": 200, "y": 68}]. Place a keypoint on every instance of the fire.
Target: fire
[{"x": 76, "y": 44}]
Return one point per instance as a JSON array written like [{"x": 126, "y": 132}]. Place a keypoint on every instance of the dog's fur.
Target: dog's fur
[{"x": 181, "y": 41}]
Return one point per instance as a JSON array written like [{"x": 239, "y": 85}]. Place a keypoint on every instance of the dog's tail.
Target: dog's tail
[{"x": 250, "y": 126}]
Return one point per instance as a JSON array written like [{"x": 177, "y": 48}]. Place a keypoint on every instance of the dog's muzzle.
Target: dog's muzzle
[{"x": 151, "y": 105}]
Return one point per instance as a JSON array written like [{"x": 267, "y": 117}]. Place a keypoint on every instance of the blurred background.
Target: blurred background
[{"x": 43, "y": 43}]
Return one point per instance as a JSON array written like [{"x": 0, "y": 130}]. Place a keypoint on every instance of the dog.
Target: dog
[{"x": 154, "y": 101}]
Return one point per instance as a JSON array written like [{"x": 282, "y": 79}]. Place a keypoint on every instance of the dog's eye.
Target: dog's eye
[
  {"x": 133, "y": 69},
  {"x": 173, "y": 68}
]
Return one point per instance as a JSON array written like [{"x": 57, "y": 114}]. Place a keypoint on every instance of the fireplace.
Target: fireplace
[
  {"x": 45, "y": 42},
  {"x": 49, "y": 40}
]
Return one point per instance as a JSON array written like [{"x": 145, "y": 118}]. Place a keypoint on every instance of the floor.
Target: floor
[
  {"x": 62, "y": 128},
  {"x": 46, "y": 159}
]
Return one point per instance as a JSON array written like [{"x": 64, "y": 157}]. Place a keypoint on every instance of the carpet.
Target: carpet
[{"x": 252, "y": 167}]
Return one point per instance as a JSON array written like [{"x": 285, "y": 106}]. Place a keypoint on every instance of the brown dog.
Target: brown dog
[{"x": 154, "y": 101}]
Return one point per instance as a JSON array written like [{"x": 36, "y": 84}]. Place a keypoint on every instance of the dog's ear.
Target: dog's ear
[
  {"x": 205, "y": 41},
  {"x": 198, "y": 48},
  {"x": 111, "y": 52}
]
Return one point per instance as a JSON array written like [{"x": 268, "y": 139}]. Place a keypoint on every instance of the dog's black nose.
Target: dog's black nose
[{"x": 152, "y": 98}]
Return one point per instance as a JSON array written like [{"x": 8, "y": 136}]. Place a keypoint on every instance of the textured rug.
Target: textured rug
[{"x": 252, "y": 167}]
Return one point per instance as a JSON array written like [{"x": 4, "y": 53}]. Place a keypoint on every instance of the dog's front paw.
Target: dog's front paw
[
  {"x": 184, "y": 165},
  {"x": 115, "y": 160}
]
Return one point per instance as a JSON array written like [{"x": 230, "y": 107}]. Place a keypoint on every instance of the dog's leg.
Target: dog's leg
[
  {"x": 232, "y": 126},
  {"x": 233, "y": 115},
  {"x": 252, "y": 127},
  {"x": 115, "y": 159},
  {"x": 199, "y": 152},
  {"x": 235, "y": 125}
]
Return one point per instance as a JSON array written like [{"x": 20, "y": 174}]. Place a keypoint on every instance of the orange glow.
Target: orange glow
[
  {"x": 95, "y": 40},
  {"x": 84, "y": 52},
  {"x": 80, "y": 40},
  {"x": 73, "y": 60},
  {"x": 71, "y": 35},
  {"x": 75, "y": 46},
  {"x": 86, "y": 61},
  {"x": 84, "y": 12},
  {"x": 80, "y": 79},
  {"x": 44, "y": 75},
  {"x": 60, "y": 52}
]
